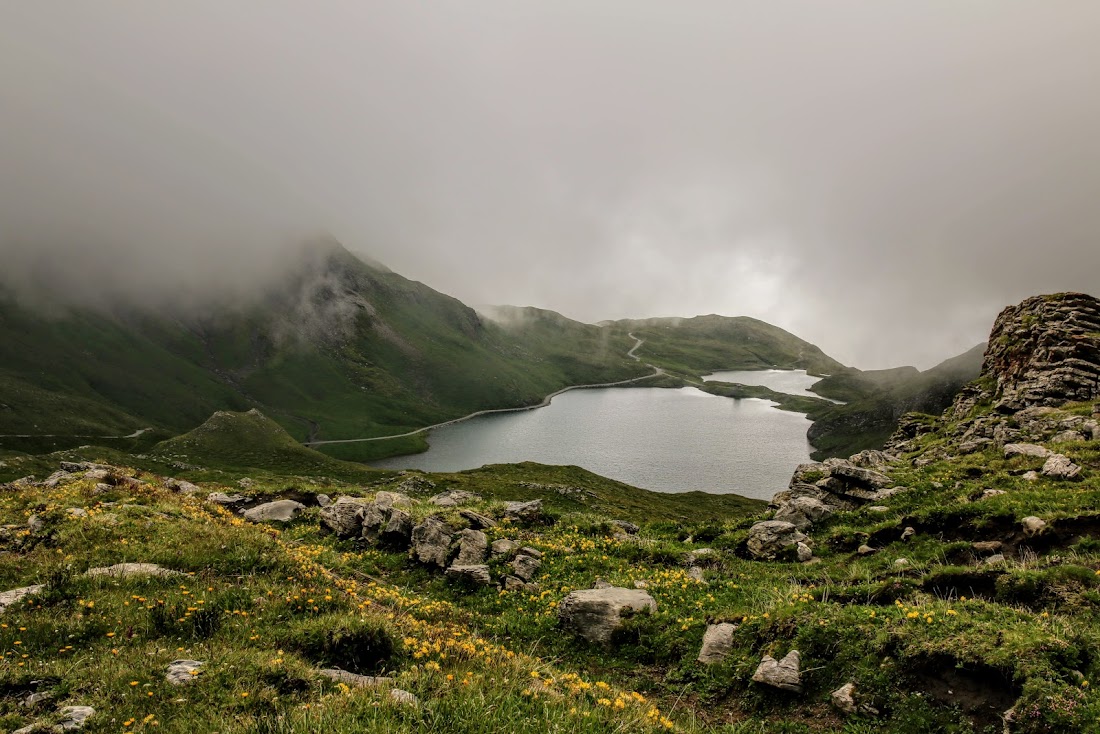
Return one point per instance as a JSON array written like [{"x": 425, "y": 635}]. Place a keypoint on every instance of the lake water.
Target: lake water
[
  {"x": 667, "y": 440},
  {"x": 792, "y": 382}
]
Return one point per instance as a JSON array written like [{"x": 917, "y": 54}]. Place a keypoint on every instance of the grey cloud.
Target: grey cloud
[{"x": 878, "y": 176}]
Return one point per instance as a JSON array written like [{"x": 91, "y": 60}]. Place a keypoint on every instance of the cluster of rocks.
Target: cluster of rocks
[
  {"x": 461, "y": 552},
  {"x": 817, "y": 491}
]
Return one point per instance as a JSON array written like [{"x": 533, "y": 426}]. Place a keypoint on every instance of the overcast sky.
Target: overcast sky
[{"x": 879, "y": 177}]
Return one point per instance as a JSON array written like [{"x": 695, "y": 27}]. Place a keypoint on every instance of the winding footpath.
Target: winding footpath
[{"x": 657, "y": 371}]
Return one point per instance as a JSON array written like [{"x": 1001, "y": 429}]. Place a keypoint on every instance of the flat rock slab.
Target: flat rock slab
[
  {"x": 475, "y": 574},
  {"x": 182, "y": 672},
  {"x": 7, "y": 598},
  {"x": 595, "y": 614},
  {"x": 354, "y": 679},
  {"x": 126, "y": 570},
  {"x": 277, "y": 511},
  {"x": 782, "y": 674}
]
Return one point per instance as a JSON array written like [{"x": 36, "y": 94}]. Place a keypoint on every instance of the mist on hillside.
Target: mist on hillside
[{"x": 879, "y": 178}]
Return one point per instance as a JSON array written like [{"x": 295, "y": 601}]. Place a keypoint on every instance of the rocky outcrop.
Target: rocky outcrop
[
  {"x": 7, "y": 598},
  {"x": 595, "y": 614},
  {"x": 431, "y": 542},
  {"x": 1045, "y": 351}
]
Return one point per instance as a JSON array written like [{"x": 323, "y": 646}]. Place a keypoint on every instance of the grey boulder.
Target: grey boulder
[
  {"x": 769, "y": 538},
  {"x": 717, "y": 643},
  {"x": 595, "y": 614},
  {"x": 782, "y": 674},
  {"x": 277, "y": 511}
]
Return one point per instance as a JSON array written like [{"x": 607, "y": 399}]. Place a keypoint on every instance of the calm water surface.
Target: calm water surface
[
  {"x": 792, "y": 382},
  {"x": 668, "y": 440}
]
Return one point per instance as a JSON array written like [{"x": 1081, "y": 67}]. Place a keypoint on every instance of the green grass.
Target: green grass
[{"x": 276, "y": 605}]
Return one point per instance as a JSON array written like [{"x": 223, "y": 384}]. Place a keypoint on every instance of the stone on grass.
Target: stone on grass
[
  {"x": 129, "y": 570},
  {"x": 477, "y": 574},
  {"x": 7, "y": 598},
  {"x": 987, "y": 493},
  {"x": 454, "y": 498},
  {"x": 524, "y": 512},
  {"x": 184, "y": 487},
  {"x": 221, "y": 498},
  {"x": 404, "y": 698},
  {"x": 908, "y": 533},
  {"x": 804, "y": 552},
  {"x": 595, "y": 614},
  {"x": 277, "y": 511},
  {"x": 782, "y": 674},
  {"x": 1030, "y": 476},
  {"x": 1026, "y": 449},
  {"x": 865, "y": 550},
  {"x": 1059, "y": 466},
  {"x": 182, "y": 672},
  {"x": 769, "y": 538},
  {"x": 323, "y": 500},
  {"x": 1033, "y": 525},
  {"x": 717, "y": 643},
  {"x": 842, "y": 698},
  {"x": 354, "y": 680},
  {"x": 994, "y": 559},
  {"x": 389, "y": 500}
]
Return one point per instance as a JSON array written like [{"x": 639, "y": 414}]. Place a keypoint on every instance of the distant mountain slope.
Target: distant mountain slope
[
  {"x": 703, "y": 344},
  {"x": 876, "y": 399},
  {"x": 341, "y": 349}
]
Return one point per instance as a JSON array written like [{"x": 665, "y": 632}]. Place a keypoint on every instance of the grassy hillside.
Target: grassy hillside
[
  {"x": 876, "y": 399},
  {"x": 703, "y": 344},
  {"x": 341, "y": 349}
]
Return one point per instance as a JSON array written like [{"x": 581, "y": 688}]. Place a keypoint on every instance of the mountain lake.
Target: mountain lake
[{"x": 663, "y": 439}]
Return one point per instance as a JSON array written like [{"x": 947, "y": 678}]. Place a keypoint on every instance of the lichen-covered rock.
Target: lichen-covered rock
[
  {"x": 1059, "y": 466},
  {"x": 1045, "y": 351},
  {"x": 277, "y": 511},
  {"x": 477, "y": 574},
  {"x": 770, "y": 538},
  {"x": 398, "y": 529},
  {"x": 524, "y": 512},
  {"x": 503, "y": 547},
  {"x": 802, "y": 512},
  {"x": 473, "y": 546},
  {"x": 388, "y": 500},
  {"x": 431, "y": 542},
  {"x": 525, "y": 566},
  {"x": 595, "y": 614},
  {"x": 344, "y": 517},
  {"x": 717, "y": 643},
  {"x": 1026, "y": 449},
  {"x": 454, "y": 497},
  {"x": 783, "y": 674}
]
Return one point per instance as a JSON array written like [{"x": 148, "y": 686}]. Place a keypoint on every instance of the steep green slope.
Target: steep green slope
[
  {"x": 340, "y": 349},
  {"x": 876, "y": 399},
  {"x": 703, "y": 344}
]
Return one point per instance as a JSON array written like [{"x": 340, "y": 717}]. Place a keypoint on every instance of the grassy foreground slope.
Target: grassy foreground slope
[{"x": 948, "y": 640}]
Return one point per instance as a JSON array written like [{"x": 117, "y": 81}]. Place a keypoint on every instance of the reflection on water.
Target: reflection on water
[{"x": 668, "y": 440}]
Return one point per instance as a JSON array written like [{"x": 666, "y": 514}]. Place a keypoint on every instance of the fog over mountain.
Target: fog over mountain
[{"x": 879, "y": 177}]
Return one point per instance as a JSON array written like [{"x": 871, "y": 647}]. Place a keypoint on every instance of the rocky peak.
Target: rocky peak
[{"x": 1045, "y": 351}]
